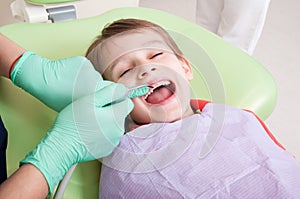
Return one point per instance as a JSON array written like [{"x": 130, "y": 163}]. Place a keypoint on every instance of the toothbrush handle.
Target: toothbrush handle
[{"x": 115, "y": 102}]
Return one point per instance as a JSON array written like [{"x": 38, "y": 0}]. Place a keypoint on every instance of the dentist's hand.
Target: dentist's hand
[
  {"x": 56, "y": 82},
  {"x": 83, "y": 131}
]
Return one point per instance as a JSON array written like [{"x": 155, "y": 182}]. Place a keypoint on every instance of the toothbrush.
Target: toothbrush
[
  {"x": 132, "y": 92},
  {"x": 137, "y": 91}
]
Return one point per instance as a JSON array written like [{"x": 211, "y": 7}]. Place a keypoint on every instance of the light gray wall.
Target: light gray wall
[{"x": 5, "y": 14}]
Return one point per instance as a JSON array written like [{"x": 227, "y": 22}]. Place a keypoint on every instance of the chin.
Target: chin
[{"x": 166, "y": 117}]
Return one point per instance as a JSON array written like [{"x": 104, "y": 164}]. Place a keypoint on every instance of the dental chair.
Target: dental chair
[
  {"x": 53, "y": 11},
  {"x": 223, "y": 74}
]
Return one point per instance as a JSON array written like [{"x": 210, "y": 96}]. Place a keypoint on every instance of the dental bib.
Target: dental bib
[{"x": 223, "y": 152}]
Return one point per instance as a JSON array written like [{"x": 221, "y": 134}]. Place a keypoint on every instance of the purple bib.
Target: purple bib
[{"x": 223, "y": 152}]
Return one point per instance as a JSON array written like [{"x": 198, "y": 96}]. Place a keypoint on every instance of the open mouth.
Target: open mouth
[{"x": 160, "y": 91}]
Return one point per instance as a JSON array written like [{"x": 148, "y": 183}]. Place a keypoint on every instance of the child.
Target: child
[{"x": 223, "y": 152}]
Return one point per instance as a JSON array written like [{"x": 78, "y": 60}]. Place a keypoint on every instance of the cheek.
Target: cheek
[
  {"x": 140, "y": 116},
  {"x": 176, "y": 67},
  {"x": 140, "y": 112},
  {"x": 127, "y": 81}
]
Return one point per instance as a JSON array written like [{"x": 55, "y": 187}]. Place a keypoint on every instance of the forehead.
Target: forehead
[{"x": 130, "y": 41}]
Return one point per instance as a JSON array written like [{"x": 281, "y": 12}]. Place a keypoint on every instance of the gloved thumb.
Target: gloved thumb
[{"x": 109, "y": 94}]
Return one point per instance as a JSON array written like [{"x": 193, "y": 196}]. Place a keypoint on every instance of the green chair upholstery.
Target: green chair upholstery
[{"x": 223, "y": 73}]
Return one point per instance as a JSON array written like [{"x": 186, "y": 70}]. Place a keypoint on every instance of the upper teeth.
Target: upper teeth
[{"x": 156, "y": 85}]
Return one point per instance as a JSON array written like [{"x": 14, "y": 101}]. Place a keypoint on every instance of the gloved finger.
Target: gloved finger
[
  {"x": 86, "y": 81},
  {"x": 115, "y": 117},
  {"x": 110, "y": 93},
  {"x": 56, "y": 82},
  {"x": 108, "y": 128}
]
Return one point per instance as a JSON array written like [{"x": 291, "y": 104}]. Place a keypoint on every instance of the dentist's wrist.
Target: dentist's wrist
[{"x": 13, "y": 65}]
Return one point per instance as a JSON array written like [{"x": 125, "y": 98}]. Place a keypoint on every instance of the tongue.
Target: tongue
[{"x": 159, "y": 95}]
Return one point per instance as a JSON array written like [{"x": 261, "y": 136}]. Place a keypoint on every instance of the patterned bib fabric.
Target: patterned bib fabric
[{"x": 223, "y": 152}]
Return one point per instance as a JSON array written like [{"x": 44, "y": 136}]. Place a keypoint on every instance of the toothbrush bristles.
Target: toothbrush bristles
[{"x": 138, "y": 91}]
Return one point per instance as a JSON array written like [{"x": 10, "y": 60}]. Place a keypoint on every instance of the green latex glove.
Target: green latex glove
[
  {"x": 56, "y": 82},
  {"x": 83, "y": 131}
]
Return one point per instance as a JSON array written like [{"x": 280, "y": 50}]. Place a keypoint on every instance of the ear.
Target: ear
[{"x": 187, "y": 68}]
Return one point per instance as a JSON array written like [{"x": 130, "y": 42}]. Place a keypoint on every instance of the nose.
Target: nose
[{"x": 145, "y": 70}]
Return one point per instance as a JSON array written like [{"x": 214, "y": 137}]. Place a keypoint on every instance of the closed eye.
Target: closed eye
[
  {"x": 156, "y": 54},
  {"x": 124, "y": 72}
]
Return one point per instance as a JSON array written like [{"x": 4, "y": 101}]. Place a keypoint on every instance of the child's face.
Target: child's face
[{"x": 144, "y": 58}]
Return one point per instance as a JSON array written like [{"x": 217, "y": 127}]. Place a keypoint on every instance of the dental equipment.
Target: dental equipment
[{"x": 132, "y": 92}]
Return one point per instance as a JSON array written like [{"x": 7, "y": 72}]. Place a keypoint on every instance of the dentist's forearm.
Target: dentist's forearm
[
  {"x": 26, "y": 182},
  {"x": 9, "y": 52}
]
